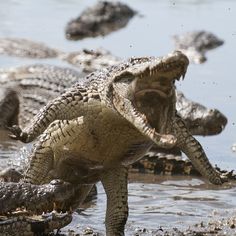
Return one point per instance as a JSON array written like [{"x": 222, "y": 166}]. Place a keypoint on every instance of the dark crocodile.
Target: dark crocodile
[
  {"x": 195, "y": 44},
  {"x": 99, "y": 20},
  {"x": 20, "y": 223},
  {"x": 16, "y": 220},
  {"x": 31, "y": 87},
  {"x": 130, "y": 106},
  {"x": 164, "y": 163},
  {"x": 9, "y": 107}
]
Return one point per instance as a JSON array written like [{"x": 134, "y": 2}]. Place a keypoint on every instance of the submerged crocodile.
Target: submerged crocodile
[
  {"x": 26, "y": 48},
  {"x": 164, "y": 163},
  {"x": 99, "y": 126},
  {"x": 99, "y": 20},
  {"x": 195, "y": 44},
  {"x": 85, "y": 60}
]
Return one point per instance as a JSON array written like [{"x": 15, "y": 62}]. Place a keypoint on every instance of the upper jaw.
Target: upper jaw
[
  {"x": 148, "y": 76},
  {"x": 159, "y": 76}
]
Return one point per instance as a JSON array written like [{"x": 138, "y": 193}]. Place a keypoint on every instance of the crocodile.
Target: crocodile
[
  {"x": 195, "y": 44},
  {"x": 130, "y": 106},
  {"x": 21, "y": 47},
  {"x": 164, "y": 163},
  {"x": 99, "y": 20},
  {"x": 25, "y": 89},
  {"x": 91, "y": 60},
  {"x": 85, "y": 60},
  {"x": 16, "y": 220},
  {"x": 22, "y": 224},
  {"x": 30, "y": 80}
]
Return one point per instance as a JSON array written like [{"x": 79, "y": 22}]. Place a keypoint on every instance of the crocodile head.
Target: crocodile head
[{"x": 144, "y": 94}]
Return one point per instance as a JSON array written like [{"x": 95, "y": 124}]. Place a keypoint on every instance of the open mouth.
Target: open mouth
[
  {"x": 147, "y": 91},
  {"x": 160, "y": 75}
]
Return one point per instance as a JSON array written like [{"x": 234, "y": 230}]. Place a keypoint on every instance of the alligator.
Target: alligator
[
  {"x": 130, "y": 106},
  {"x": 25, "y": 89},
  {"x": 195, "y": 44},
  {"x": 99, "y": 20}
]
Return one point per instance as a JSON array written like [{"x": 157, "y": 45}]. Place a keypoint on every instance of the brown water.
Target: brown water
[{"x": 153, "y": 201}]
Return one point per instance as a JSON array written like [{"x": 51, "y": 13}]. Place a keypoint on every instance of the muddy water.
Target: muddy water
[{"x": 154, "y": 202}]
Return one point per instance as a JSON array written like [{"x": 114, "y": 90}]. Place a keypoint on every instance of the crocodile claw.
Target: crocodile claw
[
  {"x": 17, "y": 133},
  {"x": 168, "y": 141},
  {"x": 224, "y": 178}
]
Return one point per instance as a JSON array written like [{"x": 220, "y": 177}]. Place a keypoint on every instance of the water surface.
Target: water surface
[{"x": 154, "y": 202}]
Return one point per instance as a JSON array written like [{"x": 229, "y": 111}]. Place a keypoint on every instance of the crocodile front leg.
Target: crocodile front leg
[
  {"x": 69, "y": 105},
  {"x": 41, "y": 163},
  {"x": 194, "y": 151},
  {"x": 115, "y": 184}
]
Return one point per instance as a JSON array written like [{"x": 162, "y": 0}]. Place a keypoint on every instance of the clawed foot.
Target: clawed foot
[
  {"x": 168, "y": 141},
  {"x": 17, "y": 133},
  {"x": 224, "y": 178},
  {"x": 219, "y": 178}
]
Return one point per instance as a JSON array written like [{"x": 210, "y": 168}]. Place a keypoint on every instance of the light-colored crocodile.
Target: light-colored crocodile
[
  {"x": 85, "y": 60},
  {"x": 91, "y": 60},
  {"x": 195, "y": 44},
  {"x": 199, "y": 119},
  {"x": 108, "y": 121},
  {"x": 35, "y": 85},
  {"x": 41, "y": 81},
  {"x": 99, "y": 20},
  {"x": 26, "y": 48}
]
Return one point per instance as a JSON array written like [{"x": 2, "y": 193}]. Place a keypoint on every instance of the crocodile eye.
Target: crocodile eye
[
  {"x": 126, "y": 80},
  {"x": 125, "y": 77}
]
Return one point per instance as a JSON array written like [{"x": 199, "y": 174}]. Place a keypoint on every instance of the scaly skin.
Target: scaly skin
[
  {"x": 25, "y": 225},
  {"x": 199, "y": 119},
  {"x": 86, "y": 60},
  {"x": 40, "y": 83},
  {"x": 98, "y": 127},
  {"x": 36, "y": 198},
  {"x": 9, "y": 107},
  {"x": 164, "y": 163},
  {"x": 26, "y": 48}
]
